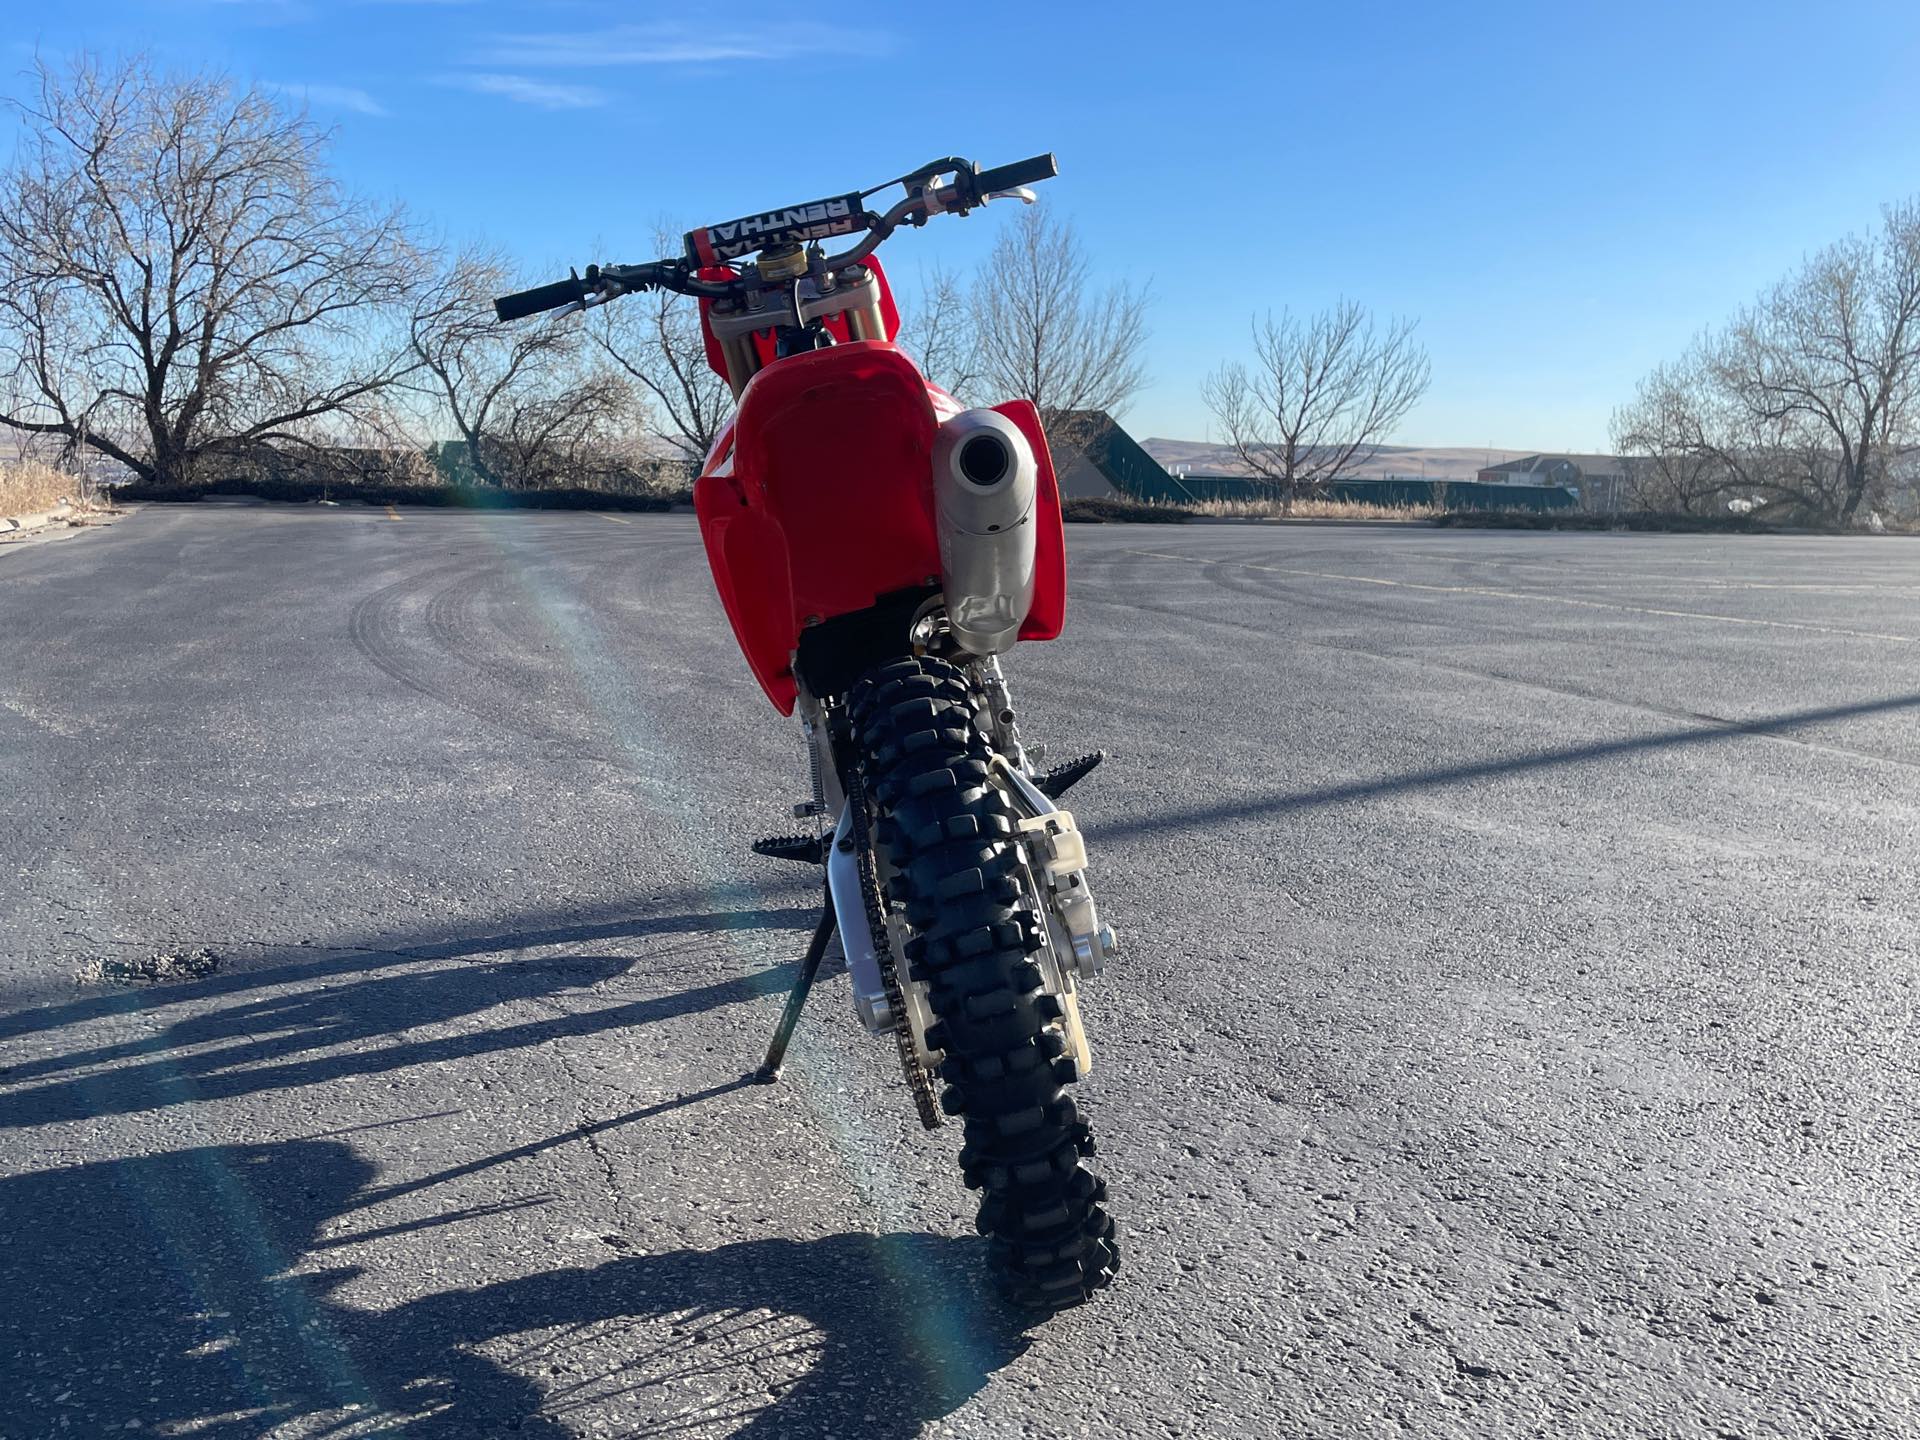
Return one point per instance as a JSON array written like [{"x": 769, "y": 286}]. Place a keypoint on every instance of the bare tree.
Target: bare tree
[
  {"x": 1832, "y": 356},
  {"x": 1810, "y": 397},
  {"x": 1322, "y": 396},
  {"x": 657, "y": 340},
  {"x": 1680, "y": 448},
  {"x": 937, "y": 328},
  {"x": 1045, "y": 334},
  {"x": 531, "y": 405},
  {"x": 181, "y": 280}
]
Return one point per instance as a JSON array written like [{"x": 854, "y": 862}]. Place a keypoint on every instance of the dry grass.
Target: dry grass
[
  {"x": 1315, "y": 510},
  {"x": 30, "y": 486}
]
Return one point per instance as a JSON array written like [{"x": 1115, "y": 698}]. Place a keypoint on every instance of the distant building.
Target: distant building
[
  {"x": 1093, "y": 456},
  {"x": 1599, "y": 480}
]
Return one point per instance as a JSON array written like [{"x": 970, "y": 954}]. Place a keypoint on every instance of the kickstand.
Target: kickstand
[{"x": 769, "y": 1070}]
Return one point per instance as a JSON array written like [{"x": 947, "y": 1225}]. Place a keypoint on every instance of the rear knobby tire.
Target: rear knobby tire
[{"x": 919, "y": 726}]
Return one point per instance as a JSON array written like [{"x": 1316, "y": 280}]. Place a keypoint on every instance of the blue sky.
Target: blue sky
[{"x": 1563, "y": 193}]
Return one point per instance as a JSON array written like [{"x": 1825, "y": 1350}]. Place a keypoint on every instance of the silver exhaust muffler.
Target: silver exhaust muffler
[{"x": 984, "y": 481}]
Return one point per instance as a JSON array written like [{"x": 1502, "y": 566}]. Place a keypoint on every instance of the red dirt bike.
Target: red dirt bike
[{"x": 878, "y": 547}]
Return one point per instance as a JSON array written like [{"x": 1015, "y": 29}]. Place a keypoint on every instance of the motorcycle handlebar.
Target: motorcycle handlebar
[
  {"x": 1011, "y": 177},
  {"x": 523, "y": 303},
  {"x": 602, "y": 283},
  {"x": 970, "y": 188}
]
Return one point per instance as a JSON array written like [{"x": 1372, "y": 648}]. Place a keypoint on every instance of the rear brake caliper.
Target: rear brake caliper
[
  {"x": 1056, "y": 860},
  {"x": 1058, "y": 854}
]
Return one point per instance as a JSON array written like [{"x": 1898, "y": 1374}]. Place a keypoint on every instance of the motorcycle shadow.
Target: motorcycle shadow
[
  {"x": 294, "y": 1021},
  {"x": 174, "y": 1290}
]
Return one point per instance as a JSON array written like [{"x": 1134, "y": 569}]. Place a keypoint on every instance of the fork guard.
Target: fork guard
[{"x": 856, "y": 938}]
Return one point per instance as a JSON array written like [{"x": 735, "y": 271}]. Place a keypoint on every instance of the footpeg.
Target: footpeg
[
  {"x": 1061, "y": 778},
  {"x": 804, "y": 849}
]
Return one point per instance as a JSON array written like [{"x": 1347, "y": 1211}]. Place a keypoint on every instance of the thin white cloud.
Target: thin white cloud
[
  {"x": 332, "y": 97},
  {"x": 523, "y": 91},
  {"x": 673, "y": 44}
]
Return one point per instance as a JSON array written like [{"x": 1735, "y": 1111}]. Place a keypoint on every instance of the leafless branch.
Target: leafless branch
[
  {"x": 656, "y": 340},
  {"x": 937, "y": 327},
  {"x": 536, "y": 405},
  {"x": 180, "y": 277},
  {"x": 1808, "y": 396},
  {"x": 1323, "y": 394},
  {"x": 1044, "y": 334}
]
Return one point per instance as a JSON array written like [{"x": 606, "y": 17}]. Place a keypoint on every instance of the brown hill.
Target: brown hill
[{"x": 1433, "y": 462}]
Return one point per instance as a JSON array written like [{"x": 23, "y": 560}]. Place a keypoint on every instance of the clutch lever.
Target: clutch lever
[
  {"x": 574, "y": 307},
  {"x": 607, "y": 286}
]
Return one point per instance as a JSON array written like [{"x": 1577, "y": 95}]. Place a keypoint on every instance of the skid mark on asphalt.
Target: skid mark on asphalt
[
  {"x": 1537, "y": 598},
  {"x": 1318, "y": 599},
  {"x": 456, "y": 625},
  {"x": 389, "y": 626}
]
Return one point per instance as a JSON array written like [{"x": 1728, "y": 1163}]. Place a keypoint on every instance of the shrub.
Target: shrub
[
  {"x": 1116, "y": 509},
  {"x": 470, "y": 497}
]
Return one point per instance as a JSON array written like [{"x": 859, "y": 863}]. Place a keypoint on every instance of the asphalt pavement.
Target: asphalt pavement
[{"x": 1515, "y": 1034}]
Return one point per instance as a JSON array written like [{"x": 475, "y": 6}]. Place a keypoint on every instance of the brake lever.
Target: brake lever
[
  {"x": 1019, "y": 192},
  {"x": 574, "y": 307}
]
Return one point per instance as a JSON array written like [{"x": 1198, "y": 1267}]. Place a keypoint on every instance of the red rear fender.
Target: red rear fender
[
  {"x": 818, "y": 500},
  {"x": 823, "y": 501}
]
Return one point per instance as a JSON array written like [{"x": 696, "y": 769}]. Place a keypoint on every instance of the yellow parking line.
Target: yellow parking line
[
  {"x": 614, "y": 518},
  {"x": 392, "y": 514}
]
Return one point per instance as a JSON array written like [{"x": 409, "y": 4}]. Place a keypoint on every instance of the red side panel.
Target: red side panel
[
  {"x": 823, "y": 500},
  {"x": 1049, "y": 613},
  {"x": 743, "y": 541}
]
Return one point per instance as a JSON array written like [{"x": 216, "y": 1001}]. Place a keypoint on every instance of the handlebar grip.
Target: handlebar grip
[
  {"x": 542, "y": 297},
  {"x": 1020, "y": 172}
]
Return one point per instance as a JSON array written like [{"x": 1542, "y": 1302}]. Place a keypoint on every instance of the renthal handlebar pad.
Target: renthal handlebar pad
[
  {"x": 542, "y": 297},
  {"x": 1020, "y": 172},
  {"x": 790, "y": 225}
]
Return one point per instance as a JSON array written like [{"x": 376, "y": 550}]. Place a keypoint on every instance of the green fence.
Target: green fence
[
  {"x": 1118, "y": 456},
  {"x": 1136, "y": 474}
]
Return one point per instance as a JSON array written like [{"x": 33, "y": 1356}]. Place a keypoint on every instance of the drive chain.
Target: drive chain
[{"x": 919, "y": 1083}]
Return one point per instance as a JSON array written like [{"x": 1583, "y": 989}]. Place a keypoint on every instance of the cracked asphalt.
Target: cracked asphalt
[{"x": 1515, "y": 1034}]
